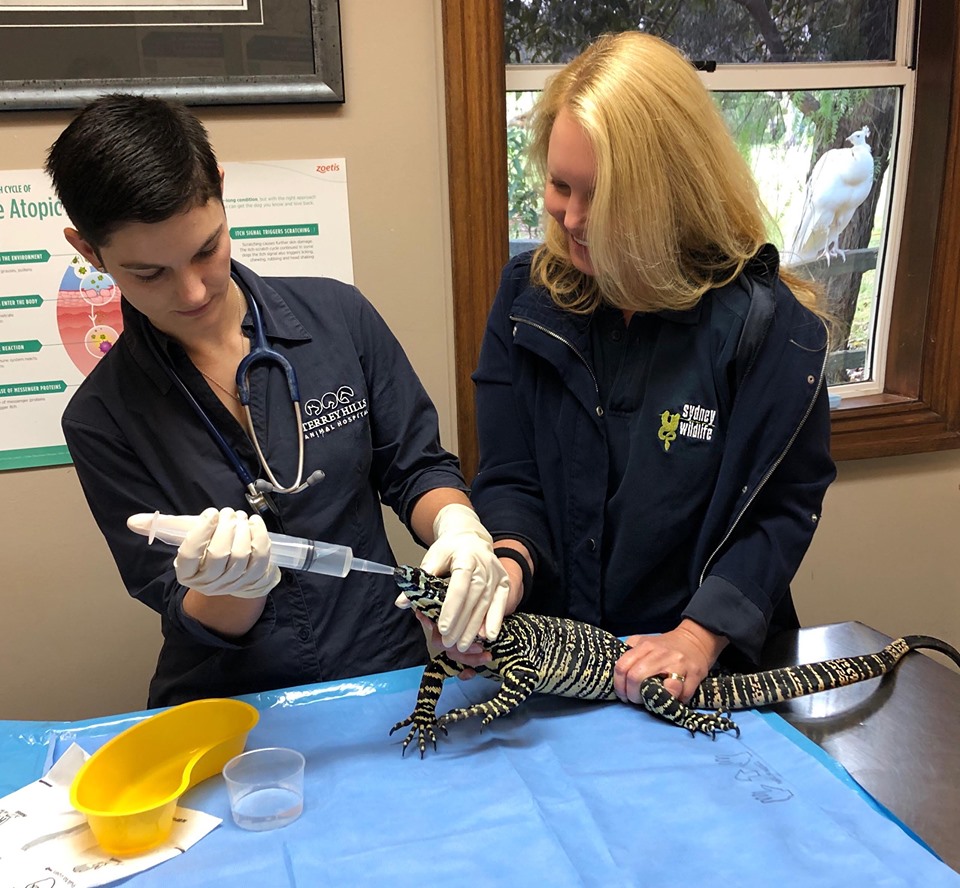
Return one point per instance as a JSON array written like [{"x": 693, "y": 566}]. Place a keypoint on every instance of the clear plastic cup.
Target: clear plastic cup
[{"x": 265, "y": 787}]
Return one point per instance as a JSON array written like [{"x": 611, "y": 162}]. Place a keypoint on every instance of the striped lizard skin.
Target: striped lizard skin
[{"x": 551, "y": 655}]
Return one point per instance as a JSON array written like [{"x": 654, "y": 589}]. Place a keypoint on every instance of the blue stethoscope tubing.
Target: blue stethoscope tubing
[{"x": 260, "y": 353}]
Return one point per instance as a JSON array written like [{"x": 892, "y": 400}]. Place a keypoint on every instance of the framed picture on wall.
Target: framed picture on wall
[{"x": 56, "y": 54}]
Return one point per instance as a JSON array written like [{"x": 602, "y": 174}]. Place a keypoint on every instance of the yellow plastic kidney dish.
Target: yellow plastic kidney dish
[{"x": 128, "y": 789}]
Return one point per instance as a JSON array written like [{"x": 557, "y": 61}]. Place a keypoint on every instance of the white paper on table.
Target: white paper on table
[{"x": 45, "y": 842}]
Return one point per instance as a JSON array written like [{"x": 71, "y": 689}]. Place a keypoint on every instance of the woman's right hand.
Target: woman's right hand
[{"x": 226, "y": 553}]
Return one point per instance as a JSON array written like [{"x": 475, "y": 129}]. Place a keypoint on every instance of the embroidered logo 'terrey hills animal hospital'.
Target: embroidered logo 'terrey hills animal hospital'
[{"x": 693, "y": 421}]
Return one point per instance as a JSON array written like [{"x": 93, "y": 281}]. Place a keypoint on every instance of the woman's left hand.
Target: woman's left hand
[
  {"x": 683, "y": 655},
  {"x": 478, "y": 588}
]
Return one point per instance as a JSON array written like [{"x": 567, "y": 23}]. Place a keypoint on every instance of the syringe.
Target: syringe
[{"x": 285, "y": 551}]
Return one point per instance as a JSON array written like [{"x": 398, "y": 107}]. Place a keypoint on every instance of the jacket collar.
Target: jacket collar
[
  {"x": 279, "y": 322},
  {"x": 150, "y": 348},
  {"x": 534, "y": 305}
]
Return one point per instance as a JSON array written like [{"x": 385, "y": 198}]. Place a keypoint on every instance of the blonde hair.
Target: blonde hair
[{"x": 675, "y": 209}]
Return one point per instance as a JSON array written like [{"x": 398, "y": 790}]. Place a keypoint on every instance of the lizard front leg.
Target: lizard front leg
[
  {"x": 655, "y": 698},
  {"x": 424, "y": 715},
  {"x": 519, "y": 680}
]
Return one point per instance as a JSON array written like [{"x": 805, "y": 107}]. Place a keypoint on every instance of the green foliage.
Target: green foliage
[
  {"x": 753, "y": 118},
  {"x": 820, "y": 111},
  {"x": 862, "y": 324},
  {"x": 524, "y": 192},
  {"x": 728, "y": 31}
]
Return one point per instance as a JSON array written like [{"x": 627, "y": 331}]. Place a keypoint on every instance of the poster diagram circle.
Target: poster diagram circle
[
  {"x": 97, "y": 288},
  {"x": 100, "y": 339},
  {"x": 88, "y": 314}
]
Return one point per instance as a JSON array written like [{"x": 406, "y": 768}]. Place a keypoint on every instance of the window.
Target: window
[
  {"x": 823, "y": 137},
  {"x": 914, "y": 402}
]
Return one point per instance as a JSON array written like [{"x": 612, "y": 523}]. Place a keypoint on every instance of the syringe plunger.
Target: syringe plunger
[{"x": 296, "y": 553}]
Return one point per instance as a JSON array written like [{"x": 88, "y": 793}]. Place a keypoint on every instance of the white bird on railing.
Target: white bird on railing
[{"x": 839, "y": 183}]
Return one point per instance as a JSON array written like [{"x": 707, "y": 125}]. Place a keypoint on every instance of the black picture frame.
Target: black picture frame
[{"x": 238, "y": 52}]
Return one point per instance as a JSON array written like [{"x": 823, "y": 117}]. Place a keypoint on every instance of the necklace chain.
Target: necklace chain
[
  {"x": 233, "y": 394},
  {"x": 222, "y": 388}
]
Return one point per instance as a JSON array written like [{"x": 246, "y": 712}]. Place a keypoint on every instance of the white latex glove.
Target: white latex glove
[
  {"x": 478, "y": 588},
  {"x": 226, "y": 553}
]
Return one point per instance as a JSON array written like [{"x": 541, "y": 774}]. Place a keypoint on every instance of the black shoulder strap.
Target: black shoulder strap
[{"x": 760, "y": 276}]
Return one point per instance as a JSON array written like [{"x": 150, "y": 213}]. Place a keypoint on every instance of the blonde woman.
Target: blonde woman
[{"x": 653, "y": 418}]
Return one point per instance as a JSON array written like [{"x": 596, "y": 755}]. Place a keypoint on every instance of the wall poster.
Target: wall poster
[{"x": 59, "y": 317}]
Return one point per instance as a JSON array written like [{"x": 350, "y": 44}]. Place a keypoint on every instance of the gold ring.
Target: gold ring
[{"x": 676, "y": 676}]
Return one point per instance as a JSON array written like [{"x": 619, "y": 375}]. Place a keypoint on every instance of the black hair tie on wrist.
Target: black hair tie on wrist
[{"x": 525, "y": 572}]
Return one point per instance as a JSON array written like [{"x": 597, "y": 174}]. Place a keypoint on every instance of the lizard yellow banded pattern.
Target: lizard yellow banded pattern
[{"x": 551, "y": 655}]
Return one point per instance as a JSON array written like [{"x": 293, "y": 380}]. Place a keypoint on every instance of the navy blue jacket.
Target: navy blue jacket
[
  {"x": 734, "y": 415},
  {"x": 369, "y": 425}
]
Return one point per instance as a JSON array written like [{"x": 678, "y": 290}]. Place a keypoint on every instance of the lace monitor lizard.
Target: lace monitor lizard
[{"x": 552, "y": 655}]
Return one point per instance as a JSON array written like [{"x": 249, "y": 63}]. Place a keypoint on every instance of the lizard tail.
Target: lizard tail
[
  {"x": 732, "y": 692},
  {"x": 928, "y": 642}
]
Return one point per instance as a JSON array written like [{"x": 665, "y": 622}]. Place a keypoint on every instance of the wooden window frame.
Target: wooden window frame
[{"x": 919, "y": 409}]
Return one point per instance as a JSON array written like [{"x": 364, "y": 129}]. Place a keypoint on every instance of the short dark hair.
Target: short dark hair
[{"x": 131, "y": 158}]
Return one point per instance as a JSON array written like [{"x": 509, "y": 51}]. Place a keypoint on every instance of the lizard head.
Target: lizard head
[{"x": 425, "y": 591}]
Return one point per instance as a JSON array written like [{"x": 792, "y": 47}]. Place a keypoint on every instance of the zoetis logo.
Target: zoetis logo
[{"x": 693, "y": 421}]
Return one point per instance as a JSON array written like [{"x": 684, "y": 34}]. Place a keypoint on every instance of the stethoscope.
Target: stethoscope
[{"x": 256, "y": 490}]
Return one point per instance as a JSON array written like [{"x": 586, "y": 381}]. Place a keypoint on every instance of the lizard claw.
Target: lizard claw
[{"x": 422, "y": 730}]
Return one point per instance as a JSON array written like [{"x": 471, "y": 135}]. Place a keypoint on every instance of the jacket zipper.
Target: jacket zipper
[
  {"x": 769, "y": 472},
  {"x": 569, "y": 345}
]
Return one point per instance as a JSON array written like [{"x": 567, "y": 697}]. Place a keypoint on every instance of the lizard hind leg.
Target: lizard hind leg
[
  {"x": 655, "y": 698},
  {"x": 488, "y": 710}
]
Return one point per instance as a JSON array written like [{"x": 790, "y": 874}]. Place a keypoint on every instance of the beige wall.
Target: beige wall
[
  {"x": 887, "y": 552},
  {"x": 72, "y": 645}
]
